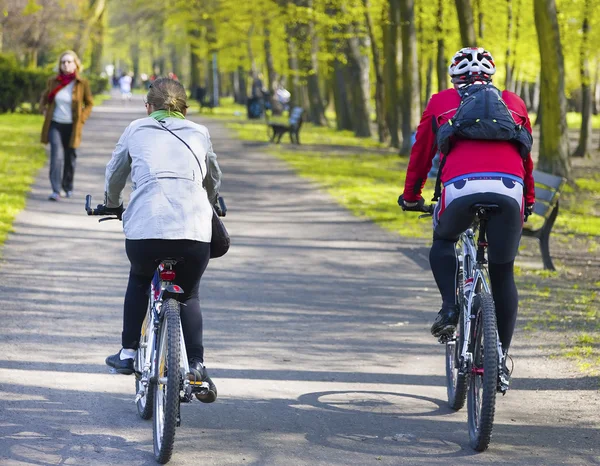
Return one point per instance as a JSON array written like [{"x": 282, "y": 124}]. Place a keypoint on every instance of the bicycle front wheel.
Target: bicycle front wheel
[
  {"x": 484, "y": 374},
  {"x": 168, "y": 382}
]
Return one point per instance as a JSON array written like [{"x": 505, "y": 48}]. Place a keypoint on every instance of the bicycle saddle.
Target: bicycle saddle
[
  {"x": 171, "y": 260},
  {"x": 487, "y": 209}
]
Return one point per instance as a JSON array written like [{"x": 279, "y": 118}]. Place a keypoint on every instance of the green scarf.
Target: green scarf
[{"x": 162, "y": 114}]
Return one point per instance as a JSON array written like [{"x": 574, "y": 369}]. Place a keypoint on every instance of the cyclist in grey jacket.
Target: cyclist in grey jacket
[{"x": 169, "y": 213}]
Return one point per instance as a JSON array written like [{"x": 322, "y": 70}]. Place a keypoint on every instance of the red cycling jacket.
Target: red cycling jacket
[{"x": 466, "y": 156}]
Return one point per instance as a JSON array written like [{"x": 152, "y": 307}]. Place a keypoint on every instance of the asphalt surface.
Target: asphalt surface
[{"x": 317, "y": 336}]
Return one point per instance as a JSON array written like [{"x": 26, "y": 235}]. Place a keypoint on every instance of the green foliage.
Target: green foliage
[
  {"x": 21, "y": 156},
  {"x": 19, "y": 85},
  {"x": 98, "y": 84}
]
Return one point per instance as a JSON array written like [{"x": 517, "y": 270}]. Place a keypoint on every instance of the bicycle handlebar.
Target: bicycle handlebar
[{"x": 101, "y": 209}]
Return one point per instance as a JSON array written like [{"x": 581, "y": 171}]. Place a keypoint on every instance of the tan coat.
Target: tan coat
[{"x": 82, "y": 107}]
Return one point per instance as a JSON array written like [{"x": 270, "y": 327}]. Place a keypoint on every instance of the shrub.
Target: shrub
[{"x": 98, "y": 84}]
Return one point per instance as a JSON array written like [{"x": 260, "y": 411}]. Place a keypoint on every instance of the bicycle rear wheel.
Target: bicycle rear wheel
[
  {"x": 484, "y": 374},
  {"x": 168, "y": 382}
]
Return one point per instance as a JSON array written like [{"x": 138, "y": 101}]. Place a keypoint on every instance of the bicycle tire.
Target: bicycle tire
[
  {"x": 145, "y": 405},
  {"x": 482, "y": 386},
  {"x": 166, "y": 397},
  {"x": 456, "y": 383}
]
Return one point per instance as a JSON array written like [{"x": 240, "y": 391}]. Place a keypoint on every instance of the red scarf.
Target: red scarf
[{"x": 64, "y": 80}]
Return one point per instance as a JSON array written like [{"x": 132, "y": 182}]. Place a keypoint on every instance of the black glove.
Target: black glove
[
  {"x": 417, "y": 207},
  {"x": 528, "y": 211},
  {"x": 220, "y": 207},
  {"x": 101, "y": 209}
]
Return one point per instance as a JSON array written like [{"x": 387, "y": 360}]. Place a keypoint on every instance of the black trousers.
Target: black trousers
[
  {"x": 144, "y": 256},
  {"x": 62, "y": 157},
  {"x": 503, "y": 235}
]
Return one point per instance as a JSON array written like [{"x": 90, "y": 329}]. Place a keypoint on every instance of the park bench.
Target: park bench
[
  {"x": 293, "y": 127},
  {"x": 547, "y": 192},
  {"x": 205, "y": 101}
]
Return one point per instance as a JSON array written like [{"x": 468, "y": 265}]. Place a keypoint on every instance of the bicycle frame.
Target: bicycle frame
[{"x": 475, "y": 279}]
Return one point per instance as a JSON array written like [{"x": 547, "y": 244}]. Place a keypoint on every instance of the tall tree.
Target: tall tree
[
  {"x": 382, "y": 131},
  {"x": 358, "y": 83},
  {"x": 585, "y": 133},
  {"x": 93, "y": 12},
  {"x": 508, "y": 82},
  {"x": 411, "y": 104},
  {"x": 391, "y": 23},
  {"x": 442, "y": 62},
  {"x": 554, "y": 141},
  {"x": 466, "y": 23}
]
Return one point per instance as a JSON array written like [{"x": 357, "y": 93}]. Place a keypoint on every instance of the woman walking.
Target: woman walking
[{"x": 66, "y": 103}]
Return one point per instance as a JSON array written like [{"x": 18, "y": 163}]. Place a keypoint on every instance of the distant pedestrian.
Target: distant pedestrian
[
  {"x": 66, "y": 104},
  {"x": 125, "y": 86}
]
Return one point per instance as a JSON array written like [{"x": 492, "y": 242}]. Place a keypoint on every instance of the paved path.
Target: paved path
[{"x": 317, "y": 337}]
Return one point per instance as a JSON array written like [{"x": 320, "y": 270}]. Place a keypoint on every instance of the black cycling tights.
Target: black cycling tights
[
  {"x": 443, "y": 259},
  {"x": 503, "y": 235},
  {"x": 143, "y": 255}
]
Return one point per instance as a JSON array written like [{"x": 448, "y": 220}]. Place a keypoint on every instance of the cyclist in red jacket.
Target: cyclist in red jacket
[{"x": 475, "y": 171}]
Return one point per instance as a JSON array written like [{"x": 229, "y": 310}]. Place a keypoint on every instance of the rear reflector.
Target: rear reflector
[{"x": 167, "y": 275}]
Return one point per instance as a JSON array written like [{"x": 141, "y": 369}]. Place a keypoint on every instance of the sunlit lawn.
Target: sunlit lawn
[{"x": 21, "y": 156}]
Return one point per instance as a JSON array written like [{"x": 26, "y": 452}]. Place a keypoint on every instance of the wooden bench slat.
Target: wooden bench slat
[
  {"x": 541, "y": 208},
  {"x": 545, "y": 195},
  {"x": 546, "y": 179}
]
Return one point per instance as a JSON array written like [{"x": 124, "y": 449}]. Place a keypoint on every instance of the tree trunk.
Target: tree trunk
[
  {"x": 358, "y": 84},
  {"x": 93, "y": 14},
  {"x": 480, "y": 22},
  {"x": 271, "y": 75},
  {"x": 242, "y": 88},
  {"x": 428, "y": 82},
  {"x": 410, "y": 75},
  {"x": 390, "y": 70},
  {"x": 194, "y": 37},
  {"x": 311, "y": 67},
  {"x": 585, "y": 134},
  {"x": 554, "y": 141},
  {"x": 382, "y": 131},
  {"x": 134, "y": 51},
  {"x": 466, "y": 23},
  {"x": 97, "y": 39},
  {"x": 442, "y": 62},
  {"x": 294, "y": 78},
  {"x": 343, "y": 116},
  {"x": 508, "y": 83}
]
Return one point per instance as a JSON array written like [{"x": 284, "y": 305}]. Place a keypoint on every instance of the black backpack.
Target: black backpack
[{"x": 482, "y": 114}]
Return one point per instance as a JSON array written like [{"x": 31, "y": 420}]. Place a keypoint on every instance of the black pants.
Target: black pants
[
  {"x": 62, "y": 157},
  {"x": 144, "y": 256},
  {"x": 503, "y": 235}
]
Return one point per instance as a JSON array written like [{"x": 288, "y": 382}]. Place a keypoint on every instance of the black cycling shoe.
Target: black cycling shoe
[
  {"x": 504, "y": 375},
  {"x": 122, "y": 366},
  {"x": 205, "y": 395},
  {"x": 446, "y": 321}
]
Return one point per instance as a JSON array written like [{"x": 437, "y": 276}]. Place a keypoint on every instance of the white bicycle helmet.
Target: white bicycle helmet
[{"x": 471, "y": 63}]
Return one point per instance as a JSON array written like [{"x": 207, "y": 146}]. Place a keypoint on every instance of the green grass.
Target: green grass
[{"x": 21, "y": 156}]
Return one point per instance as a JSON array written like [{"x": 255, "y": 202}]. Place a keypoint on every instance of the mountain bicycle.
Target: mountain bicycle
[
  {"x": 162, "y": 374},
  {"x": 474, "y": 355}
]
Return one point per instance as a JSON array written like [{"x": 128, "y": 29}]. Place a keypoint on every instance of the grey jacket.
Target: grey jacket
[{"x": 172, "y": 196}]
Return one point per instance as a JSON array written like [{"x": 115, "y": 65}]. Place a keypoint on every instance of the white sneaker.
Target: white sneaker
[
  {"x": 69, "y": 194},
  {"x": 54, "y": 197}
]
